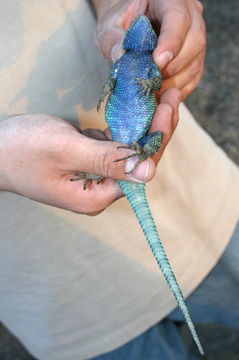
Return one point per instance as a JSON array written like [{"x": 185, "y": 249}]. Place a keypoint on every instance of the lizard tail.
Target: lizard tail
[{"x": 136, "y": 196}]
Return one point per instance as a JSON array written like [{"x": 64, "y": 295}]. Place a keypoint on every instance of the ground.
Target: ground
[{"x": 215, "y": 106}]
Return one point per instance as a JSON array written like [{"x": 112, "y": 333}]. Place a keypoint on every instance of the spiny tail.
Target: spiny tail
[{"x": 136, "y": 196}]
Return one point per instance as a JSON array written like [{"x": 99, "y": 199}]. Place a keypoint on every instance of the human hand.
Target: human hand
[
  {"x": 180, "y": 51},
  {"x": 39, "y": 154}
]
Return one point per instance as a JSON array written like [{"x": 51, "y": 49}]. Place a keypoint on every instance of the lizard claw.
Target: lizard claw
[
  {"x": 139, "y": 151},
  {"x": 145, "y": 86},
  {"x": 87, "y": 178}
]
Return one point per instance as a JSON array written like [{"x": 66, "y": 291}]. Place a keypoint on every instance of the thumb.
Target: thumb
[
  {"x": 98, "y": 157},
  {"x": 109, "y": 40},
  {"x": 112, "y": 25}
]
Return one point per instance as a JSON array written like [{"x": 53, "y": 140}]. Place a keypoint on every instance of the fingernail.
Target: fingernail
[
  {"x": 116, "y": 52},
  {"x": 164, "y": 58},
  {"x": 140, "y": 173}
]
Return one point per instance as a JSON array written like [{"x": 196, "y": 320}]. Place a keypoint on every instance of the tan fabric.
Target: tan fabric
[{"x": 73, "y": 286}]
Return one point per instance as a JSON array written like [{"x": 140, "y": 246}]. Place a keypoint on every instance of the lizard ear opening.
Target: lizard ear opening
[{"x": 140, "y": 35}]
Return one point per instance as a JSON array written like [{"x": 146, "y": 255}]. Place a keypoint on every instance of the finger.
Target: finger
[
  {"x": 188, "y": 89},
  {"x": 172, "y": 97},
  {"x": 194, "y": 44},
  {"x": 109, "y": 39},
  {"x": 107, "y": 133},
  {"x": 111, "y": 27},
  {"x": 166, "y": 117},
  {"x": 95, "y": 134},
  {"x": 187, "y": 75},
  {"x": 175, "y": 23},
  {"x": 199, "y": 6}
]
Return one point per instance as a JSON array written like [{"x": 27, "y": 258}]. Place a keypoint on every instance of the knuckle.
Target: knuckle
[
  {"x": 187, "y": 19},
  {"x": 200, "y": 33},
  {"x": 187, "y": 16},
  {"x": 195, "y": 66},
  {"x": 182, "y": 12},
  {"x": 177, "y": 44},
  {"x": 200, "y": 75},
  {"x": 194, "y": 83},
  {"x": 187, "y": 90},
  {"x": 190, "y": 87},
  {"x": 106, "y": 162},
  {"x": 201, "y": 37},
  {"x": 199, "y": 6},
  {"x": 170, "y": 70}
]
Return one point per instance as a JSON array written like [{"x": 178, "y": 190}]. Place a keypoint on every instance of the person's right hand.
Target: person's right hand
[{"x": 39, "y": 154}]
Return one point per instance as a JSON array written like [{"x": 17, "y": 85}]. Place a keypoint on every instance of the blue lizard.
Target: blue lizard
[{"x": 131, "y": 86}]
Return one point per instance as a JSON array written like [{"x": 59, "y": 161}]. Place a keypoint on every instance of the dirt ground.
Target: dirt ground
[{"x": 215, "y": 105}]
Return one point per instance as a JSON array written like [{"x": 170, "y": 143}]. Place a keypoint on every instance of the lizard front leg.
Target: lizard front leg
[
  {"x": 106, "y": 90},
  {"x": 144, "y": 148},
  {"x": 147, "y": 86},
  {"x": 109, "y": 84}
]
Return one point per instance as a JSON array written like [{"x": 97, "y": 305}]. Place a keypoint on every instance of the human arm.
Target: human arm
[{"x": 39, "y": 154}]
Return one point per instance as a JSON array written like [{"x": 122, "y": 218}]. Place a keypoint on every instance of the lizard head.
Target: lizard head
[{"x": 140, "y": 35}]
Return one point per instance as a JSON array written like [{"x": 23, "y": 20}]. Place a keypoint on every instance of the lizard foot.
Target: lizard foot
[
  {"x": 139, "y": 151},
  {"x": 146, "y": 86},
  {"x": 146, "y": 147},
  {"x": 87, "y": 178}
]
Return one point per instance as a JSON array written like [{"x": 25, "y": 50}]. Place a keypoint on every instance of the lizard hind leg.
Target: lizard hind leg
[
  {"x": 144, "y": 148},
  {"x": 87, "y": 178}
]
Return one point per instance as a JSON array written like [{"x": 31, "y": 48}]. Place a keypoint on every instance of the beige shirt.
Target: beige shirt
[{"x": 74, "y": 286}]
